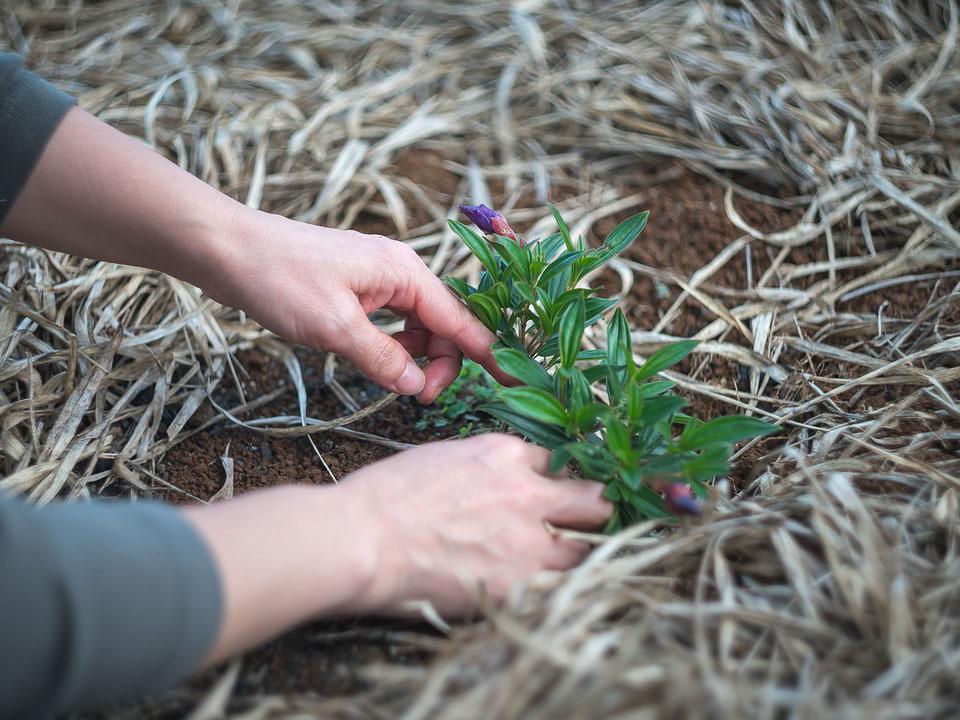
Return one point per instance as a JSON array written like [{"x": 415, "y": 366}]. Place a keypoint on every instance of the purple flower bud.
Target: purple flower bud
[
  {"x": 481, "y": 216},
  {"x": 489, "y": 221},
  {"x": 678, "y": 498}
]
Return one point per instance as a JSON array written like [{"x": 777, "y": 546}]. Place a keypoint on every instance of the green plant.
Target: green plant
[
  {"x": 618, "y": 420},
  {"x": 458, "y": 404}
]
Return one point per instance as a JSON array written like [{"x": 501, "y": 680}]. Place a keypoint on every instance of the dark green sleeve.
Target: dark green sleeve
[
  {"x": 100, "y": 602},
  {"x": 30, "y": 111}
]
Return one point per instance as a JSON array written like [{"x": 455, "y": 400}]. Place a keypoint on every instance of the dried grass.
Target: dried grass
[{"x": 828, "y": 586}]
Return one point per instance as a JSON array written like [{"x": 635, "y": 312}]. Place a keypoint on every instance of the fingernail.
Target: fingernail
[{"x": 412, "y": 380}]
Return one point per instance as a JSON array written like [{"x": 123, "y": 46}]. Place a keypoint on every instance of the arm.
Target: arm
[
  {"x": 104, "y": 603},
  {"x": 98, "y": 193}
]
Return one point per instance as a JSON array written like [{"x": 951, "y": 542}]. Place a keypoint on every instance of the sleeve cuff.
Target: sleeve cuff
[{"x": 30, "y": 112}]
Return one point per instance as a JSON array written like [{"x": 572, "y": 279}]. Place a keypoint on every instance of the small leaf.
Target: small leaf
[
  {"x": 597, "y": 462},
  {"x": 619, "y": 343},
  {"x": 555, "y": 268},
  {"x": 657, "y": 387},
  {"x": 728, "y": 429},
  {"x": 630, "y": 474},
  {"x": 514, "y": 255},
  {"x": 545, "y": 435},
  {"x": 577, "y": 387},
  {"x": 550, "y": 245},
  {"x": 459, "y": 287},
  {"x": 665, "y": 357},
  {"x": 564, "y": 230},
  {"x": 571, "y": 333},
  {"x": 626, "y": 232},
  {"x": 559, "y": 460},
  {"x": 478, "y": 246},
  {"x": 708, "y": 464},
  {"x": 522, "y": 367},
  {"x": 617, "y": 438},
  {"x": 657, "y": 465},
  {"x": 485, "y": 308},
  {"x": 535, "y": 404},
  {"x": 658, "y": 409},
  {"x": 501, "y": 294},
  {"x": 596, "y": 307}
]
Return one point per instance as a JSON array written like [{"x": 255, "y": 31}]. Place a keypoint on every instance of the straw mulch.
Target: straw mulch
[{"x": 829, "y": 585}]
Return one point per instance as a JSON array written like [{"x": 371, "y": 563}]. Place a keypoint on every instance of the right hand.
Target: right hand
[{"x": 453, "y": 517}]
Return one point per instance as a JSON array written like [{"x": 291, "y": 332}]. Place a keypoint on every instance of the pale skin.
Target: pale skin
[{"x": 446, "y": 522}]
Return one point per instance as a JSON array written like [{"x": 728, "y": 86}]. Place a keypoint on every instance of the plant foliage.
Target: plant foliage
[{"x": 619, "y": 421}]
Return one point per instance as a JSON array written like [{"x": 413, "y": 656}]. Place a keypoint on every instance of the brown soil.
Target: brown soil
[{"x": 688, "y": 227}]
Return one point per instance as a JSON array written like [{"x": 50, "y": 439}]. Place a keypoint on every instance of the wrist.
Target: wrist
[
  {"x": 360, "y": 545},
  {"x": 209, "y": 244}
]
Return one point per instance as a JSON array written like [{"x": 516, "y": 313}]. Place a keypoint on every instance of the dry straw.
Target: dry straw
[{"x": 829, "y": 586}]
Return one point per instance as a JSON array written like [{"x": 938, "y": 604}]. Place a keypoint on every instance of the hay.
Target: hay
[{"x": 825, "y": 588}]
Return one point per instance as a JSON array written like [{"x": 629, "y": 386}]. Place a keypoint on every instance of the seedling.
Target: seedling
[
  {"x": 457, "y": 405},
  {"x": 619, "y": 421}
]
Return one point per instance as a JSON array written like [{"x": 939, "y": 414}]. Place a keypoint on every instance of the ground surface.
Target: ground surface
[
  {"x": 823, "y": 585},
  {"x": 687, "y": 226}
]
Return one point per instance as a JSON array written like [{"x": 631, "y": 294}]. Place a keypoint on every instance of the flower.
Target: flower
[
  {"x": 678, "y": 498},
  {"x": 489, "y": 221}
]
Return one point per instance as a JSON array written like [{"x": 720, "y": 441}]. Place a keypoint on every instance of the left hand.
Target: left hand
[{"x": 316, "y": 286}]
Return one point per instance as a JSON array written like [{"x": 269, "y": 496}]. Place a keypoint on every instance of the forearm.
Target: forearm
[
  {"x": 285, "y": 556},
  {"x": 98, "y": 193}
]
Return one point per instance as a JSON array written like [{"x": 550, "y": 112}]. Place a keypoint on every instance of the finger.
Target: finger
[
  {"x": 444, "y": 315},
  {"x": 538, "y": 458},
  {"x": 564, "y": 554},
  {"x": 438, "y": 374},
  {"x": 576, "y": 504},
  {"x": 414, "y": 341},
  {"x": 444, "y": 357},
  {"x": 379, "y": 356}
]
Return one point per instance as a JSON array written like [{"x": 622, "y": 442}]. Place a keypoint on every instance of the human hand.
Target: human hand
[
  {"x": 450, "y": 517},
  {"x": 316, "y": 286}
]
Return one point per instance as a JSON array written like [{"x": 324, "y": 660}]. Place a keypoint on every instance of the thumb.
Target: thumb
[{"x": 380, "y": 357}]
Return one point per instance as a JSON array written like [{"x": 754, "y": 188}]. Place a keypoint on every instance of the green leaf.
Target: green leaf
[
  {"x": 524, "y": 290},
  {"x": 728, "y": 430},
  {"x": 578, "y": 388},
  {"x": 478, "y": 246},
  {"x": 708, "y": 464},
  {"x": 550, "y": 245},
  {"x": 514, "y": 255},
  {"x": 571, "y": 332},
  {"x": 485, "y": 308},
  {"x": 657, "y": 387},
  {"x": 617, "y": 438},
  {"x": 596, "y": 307},
  {"x": 597, "y": 462},
  {"x": 500, "y": 294},
  {"x": 556, "y": 268},
  {"x": 587, "y": 416},
  {"x": 558, "y": 460},
  {"x": 626, "y": 232},
  {"x": 665, "y": 357},
  {"x": 657, "y": 465},
  {"x": 522, "y": 367},
  {"x": 619, "y": 342},
  {"x": 537, "y": 432},
  {"x": 635, "y": 399},
  {"x": 631, "y": 476},
  {"x": 564, "y": 230},
  {"x": 657, "y": 409},
  {"x": 535, "y": 404},
  {"x": 595, "y": 373},
  {"x": 459, "y": 287}
]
